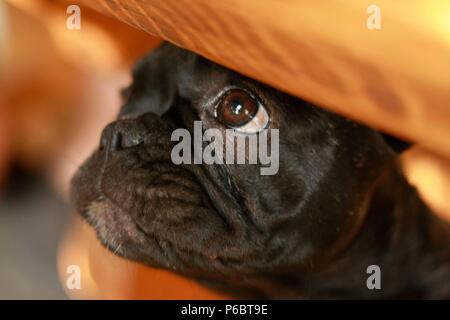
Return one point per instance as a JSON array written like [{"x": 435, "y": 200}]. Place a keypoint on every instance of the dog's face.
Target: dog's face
[{"x": 225, "y": 223}]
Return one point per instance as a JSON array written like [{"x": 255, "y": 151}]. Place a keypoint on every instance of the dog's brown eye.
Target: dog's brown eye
[
  {"x": 242, "y": 112},
  {"x": 237, "y": 108}
]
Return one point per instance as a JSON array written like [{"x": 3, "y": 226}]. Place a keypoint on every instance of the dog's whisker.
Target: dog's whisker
[{"x": 118, "y": 248}]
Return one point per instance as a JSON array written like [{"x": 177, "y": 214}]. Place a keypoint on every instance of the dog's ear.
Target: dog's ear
[
  {"x": 397, "y": 145},
  {"x": 154, "y": 83}
]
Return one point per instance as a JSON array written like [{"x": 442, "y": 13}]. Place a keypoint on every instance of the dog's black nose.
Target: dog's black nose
[{"x": 120, "y": 135}]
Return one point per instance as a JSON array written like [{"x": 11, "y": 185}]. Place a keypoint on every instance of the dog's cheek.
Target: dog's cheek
[
  {"x": 282, "y": 197},
  {"x": 188, "y": 227}
]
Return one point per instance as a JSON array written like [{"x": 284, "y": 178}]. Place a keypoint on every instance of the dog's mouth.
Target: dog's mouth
[
  {"x": 146, "y": 211},
  {"x": 122, "y": 236},
  {"x": 104, "y": 217}
]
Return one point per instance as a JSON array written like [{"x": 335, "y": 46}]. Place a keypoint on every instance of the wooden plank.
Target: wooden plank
[{"x": 396, "y": 78}]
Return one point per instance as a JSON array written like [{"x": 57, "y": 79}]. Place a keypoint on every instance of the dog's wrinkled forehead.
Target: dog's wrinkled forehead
[{"x": 171, "y": 72}]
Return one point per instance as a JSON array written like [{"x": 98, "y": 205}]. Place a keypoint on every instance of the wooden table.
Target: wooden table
[{"x": 396, "y": 78}]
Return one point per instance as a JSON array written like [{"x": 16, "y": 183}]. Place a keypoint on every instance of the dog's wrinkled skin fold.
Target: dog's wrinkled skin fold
[{"x": 309, "y": 231}]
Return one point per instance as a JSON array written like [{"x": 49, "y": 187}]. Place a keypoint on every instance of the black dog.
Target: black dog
[{"x": 338, "y": 204}]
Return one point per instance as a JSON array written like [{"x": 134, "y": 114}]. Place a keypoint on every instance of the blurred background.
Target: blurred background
[{"x": 58, "y": 89}]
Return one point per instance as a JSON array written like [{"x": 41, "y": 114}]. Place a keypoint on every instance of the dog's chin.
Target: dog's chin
[
  {"x": 115, "y": 231},
  {"x": 122, "y": 236}
]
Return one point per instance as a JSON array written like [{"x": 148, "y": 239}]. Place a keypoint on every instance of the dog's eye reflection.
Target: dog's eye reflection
[{"x": 240, "y": 111}]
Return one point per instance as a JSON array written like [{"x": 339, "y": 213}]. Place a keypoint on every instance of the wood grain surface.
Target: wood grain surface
[{"x": 396, "y": 78}]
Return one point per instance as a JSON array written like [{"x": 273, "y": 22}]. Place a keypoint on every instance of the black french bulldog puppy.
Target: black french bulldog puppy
[{"x": 337, "y": 205}]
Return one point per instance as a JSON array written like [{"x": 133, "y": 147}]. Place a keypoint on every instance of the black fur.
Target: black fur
[{"x": 338, "y": 204}]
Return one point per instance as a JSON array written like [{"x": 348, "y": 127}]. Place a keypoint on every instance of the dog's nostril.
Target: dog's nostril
[
  {"x": 103, "y": 142},
  {"x": 111, "y": 139},
  {"x": 116, "y": 141},
  {"x": 117, "y": 136}
]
